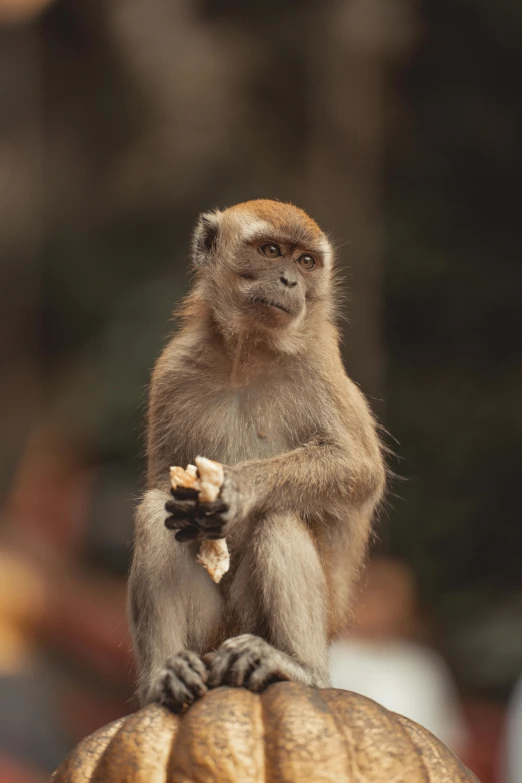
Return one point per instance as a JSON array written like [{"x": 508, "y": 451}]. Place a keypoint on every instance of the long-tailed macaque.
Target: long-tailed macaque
[{"x": 253, "y": 379}]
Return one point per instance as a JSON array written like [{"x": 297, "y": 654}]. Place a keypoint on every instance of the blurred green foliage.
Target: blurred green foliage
[{"x": 453, "y": 282}]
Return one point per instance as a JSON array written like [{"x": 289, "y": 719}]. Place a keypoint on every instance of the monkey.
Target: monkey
[{"x": 254, "y": 379}]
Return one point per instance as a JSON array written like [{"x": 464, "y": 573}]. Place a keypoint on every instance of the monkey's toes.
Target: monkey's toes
[
  {"x": 235, "y": 660},
  {"x": 241, "y": 669},
  {"x": 182, "y": 681},
  {"x": 268, "y": 670}
]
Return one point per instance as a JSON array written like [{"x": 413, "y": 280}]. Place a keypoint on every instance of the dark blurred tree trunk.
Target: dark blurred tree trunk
[
  {"x": 347, "y": 116},
  {"x": 20, "y": 233}
]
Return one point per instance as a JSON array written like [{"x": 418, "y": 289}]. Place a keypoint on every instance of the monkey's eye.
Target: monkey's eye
[
  {"x": 271, "y": 250},
  {"x": 306, "y": 261}
]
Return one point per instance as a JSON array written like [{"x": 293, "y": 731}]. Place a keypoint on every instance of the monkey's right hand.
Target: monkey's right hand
[
  {"x": 182, "y": 680},
  {"x": 194, "y": 520}
]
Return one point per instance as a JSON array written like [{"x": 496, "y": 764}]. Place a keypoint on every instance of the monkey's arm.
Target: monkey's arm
[
  {"x": 326, "y": 473},
  {"x": 340, "y": 466}
]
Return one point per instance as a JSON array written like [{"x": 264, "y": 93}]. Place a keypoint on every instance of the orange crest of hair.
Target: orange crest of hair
[{"x": 280, "y": 215}]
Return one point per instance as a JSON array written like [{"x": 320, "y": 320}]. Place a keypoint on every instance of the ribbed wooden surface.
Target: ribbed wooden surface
[{"x": 287, "y": 734}]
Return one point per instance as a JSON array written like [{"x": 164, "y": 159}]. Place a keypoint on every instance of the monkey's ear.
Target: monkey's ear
[{"x": 206, "y": 237}]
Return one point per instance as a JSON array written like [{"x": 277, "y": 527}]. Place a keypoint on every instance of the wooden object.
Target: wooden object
[{"x": 288, "y": 734}]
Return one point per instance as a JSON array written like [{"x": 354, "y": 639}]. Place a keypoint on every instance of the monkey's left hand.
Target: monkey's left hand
[{"x": 194, "y": 520}]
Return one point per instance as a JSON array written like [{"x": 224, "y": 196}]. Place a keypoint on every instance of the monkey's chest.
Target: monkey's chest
[
  {"x": 249, "y": 429},
  {"x": 234, "y": 426}
]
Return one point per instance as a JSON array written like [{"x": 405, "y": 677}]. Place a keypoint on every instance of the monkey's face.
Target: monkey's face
[
  {"x": 273, "y": 279},
  {"x": 264, "y": 264}
]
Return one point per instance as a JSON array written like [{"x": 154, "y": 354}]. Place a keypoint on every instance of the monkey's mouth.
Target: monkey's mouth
[{"x": 271, "y": 303}]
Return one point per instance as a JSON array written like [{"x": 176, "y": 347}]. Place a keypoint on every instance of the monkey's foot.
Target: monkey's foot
[
  {"x": 182, "y": 681},
  {"x": 251, "y": 662}
]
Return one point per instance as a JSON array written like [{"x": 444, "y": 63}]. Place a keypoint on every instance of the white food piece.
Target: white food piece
[
  {"x": 211, "y": 479},
  {"x": 184, "y": 478},
  {"x": 192, "y": 471},
  {"x": 207, "y": 477},
  {"x": 215, "y": 558}
]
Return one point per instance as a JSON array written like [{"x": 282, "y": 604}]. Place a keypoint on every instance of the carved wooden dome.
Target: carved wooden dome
[{"x": 287, "y": 734}]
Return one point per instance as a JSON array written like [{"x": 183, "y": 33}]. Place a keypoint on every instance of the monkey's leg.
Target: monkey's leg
[
  {"x": 174, "y": 610},
  {"x": 282, "y": 574}
]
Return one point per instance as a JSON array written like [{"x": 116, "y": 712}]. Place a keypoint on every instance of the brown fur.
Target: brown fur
[{"x": 266, "y": 394}]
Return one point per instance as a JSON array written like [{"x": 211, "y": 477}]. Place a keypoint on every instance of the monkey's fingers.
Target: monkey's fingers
[
  {"x": 205, "y": 518},
  {"x": 212, "y": 507},
  {"x": 196, "y": 664},
  {"x": 184, "y": 493},
  {"x": 218, "y": 669},
  {"x": 179, "y": 518},
  {"x": 225, "y": 658},
  {"x": 182, "y": 680},
  {"x": 208, "y": 658},
  {"x": 213, "y": 534},
  {"x": 210, "y": 526},
  {"x": 178, "y": 522},
  {"x": 189, "y": 533},
  {"x": 180, "y": 509},
  {"x": 264, "y": 675}
]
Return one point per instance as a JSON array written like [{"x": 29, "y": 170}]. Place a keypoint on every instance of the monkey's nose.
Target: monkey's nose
[{"x": 286, "y": 281}]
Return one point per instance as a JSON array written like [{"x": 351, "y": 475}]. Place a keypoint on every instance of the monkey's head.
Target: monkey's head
[{"x": 263, "y": 266}]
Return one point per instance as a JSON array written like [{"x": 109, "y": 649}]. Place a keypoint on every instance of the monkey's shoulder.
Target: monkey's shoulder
[{"x": 183, "y": 355}]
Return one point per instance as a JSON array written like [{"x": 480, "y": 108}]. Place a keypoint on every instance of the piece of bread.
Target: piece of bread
[{"x": 215, "y": 558}]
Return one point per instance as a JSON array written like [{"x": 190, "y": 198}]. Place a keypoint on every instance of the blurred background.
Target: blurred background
[{"x": 397, "y": 126}]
